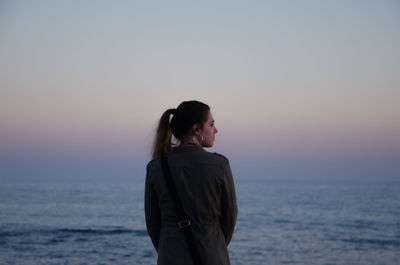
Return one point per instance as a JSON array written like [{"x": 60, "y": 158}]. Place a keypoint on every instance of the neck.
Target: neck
[{"x": 190, "y": 140}]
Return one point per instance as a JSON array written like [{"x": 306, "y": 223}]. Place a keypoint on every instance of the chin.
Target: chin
[{"x": 208, "y": 145}]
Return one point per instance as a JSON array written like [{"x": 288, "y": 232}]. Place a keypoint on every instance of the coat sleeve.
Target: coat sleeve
[
  {"x": 228, "y": 203},
  {"x": 152, "y": 212}
]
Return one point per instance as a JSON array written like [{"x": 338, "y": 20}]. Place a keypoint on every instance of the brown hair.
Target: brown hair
[{"x": 184, "y": 117}]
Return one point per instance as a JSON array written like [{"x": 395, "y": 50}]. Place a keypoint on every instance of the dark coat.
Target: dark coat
[{"x": 205, "y": 186}]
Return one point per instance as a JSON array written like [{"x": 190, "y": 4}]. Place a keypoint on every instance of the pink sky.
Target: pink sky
[{"x": 284, "y": 84}]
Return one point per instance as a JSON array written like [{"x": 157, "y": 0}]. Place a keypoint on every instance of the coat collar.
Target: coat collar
[{"x": 186, "y": 148}]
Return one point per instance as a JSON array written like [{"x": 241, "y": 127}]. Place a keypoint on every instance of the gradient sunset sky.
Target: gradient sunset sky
[{"x": 297, "y": 88}]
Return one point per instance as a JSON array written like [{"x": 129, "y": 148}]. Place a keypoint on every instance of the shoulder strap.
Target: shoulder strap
[{"x": 184, "y": 222}]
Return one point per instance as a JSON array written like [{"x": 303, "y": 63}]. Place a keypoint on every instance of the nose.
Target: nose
[{"x": 215, "y": 130}]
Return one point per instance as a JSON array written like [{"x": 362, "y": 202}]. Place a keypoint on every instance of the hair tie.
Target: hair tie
[{"x": 173, "y": 111}]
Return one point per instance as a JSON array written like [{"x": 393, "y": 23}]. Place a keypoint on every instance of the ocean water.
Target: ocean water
[{"x": 279, "y": 222}]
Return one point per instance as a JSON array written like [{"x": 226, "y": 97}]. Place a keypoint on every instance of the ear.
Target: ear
[{"x": 196, "y": 129}]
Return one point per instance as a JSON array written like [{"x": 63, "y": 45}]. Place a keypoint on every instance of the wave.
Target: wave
[
  {"x": 72, "y": 231},
  {"x": 379, "y": 242},
  {"x": 99, "y": 231},
  {"x": 359, "y": 224}
]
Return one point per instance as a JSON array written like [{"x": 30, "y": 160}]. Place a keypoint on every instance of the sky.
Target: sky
[{"x": 297, "y": 88}]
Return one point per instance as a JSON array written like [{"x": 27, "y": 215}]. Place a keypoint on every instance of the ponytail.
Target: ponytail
[
  {"x": 162, "y": 140},
  {"x": 184, "y": 117}
]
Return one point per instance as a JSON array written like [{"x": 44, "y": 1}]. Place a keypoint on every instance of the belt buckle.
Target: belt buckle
[{"x": 184, "y": 223}]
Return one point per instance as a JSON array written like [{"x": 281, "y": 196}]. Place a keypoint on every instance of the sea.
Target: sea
[{"x": 319, "y": 221}]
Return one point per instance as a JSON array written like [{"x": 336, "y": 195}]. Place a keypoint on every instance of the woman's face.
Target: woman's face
[{"x": 208, "y": 132}]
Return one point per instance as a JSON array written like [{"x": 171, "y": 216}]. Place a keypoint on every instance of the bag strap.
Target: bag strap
[{"x": 184, "y": 223}]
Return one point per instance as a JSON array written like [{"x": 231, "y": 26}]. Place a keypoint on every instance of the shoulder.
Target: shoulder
[
  {"x": 221, "y": 157},
  {"x": 153, "y": 165},
  {"x": 216, "y": 158}
]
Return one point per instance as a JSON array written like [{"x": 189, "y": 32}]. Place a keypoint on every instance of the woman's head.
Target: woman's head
[
  {"x": 191, "y": 122},
  {"x": 187, "y": 114}
]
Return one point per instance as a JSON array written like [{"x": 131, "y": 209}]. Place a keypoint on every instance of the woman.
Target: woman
[{"x": 204, "y": 185}]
